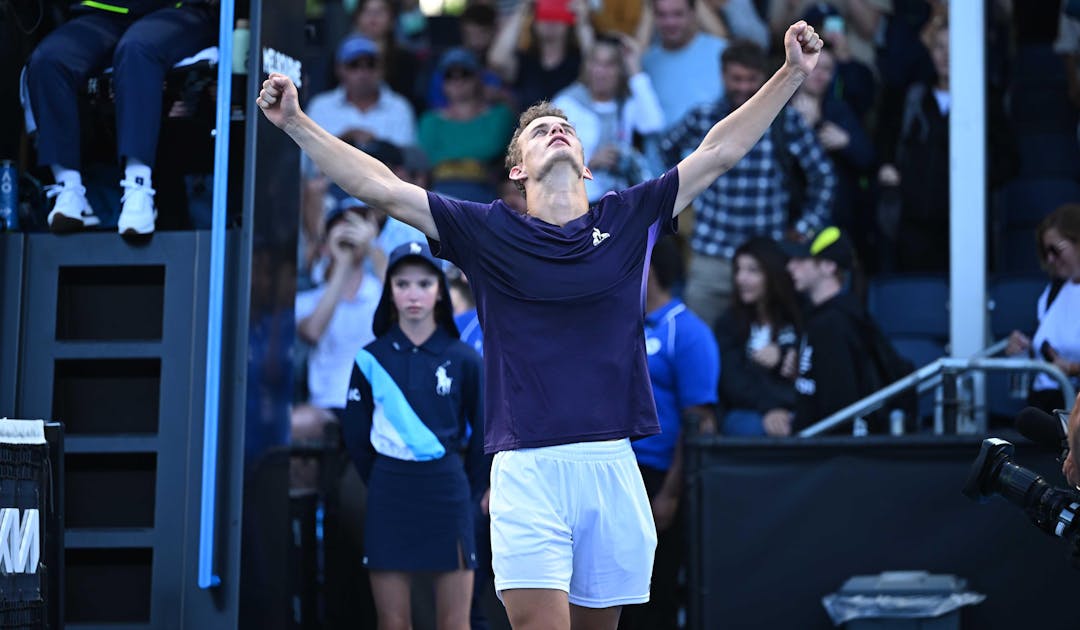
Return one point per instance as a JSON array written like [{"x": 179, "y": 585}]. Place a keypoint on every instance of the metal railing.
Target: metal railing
[{"x": 943, "y": 375}]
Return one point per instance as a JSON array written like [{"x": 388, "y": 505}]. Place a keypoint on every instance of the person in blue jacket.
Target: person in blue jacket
[{"x": 413, "y": 427}]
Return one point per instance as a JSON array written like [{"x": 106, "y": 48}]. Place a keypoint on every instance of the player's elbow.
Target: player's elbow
[{"x": 723, "y": 155}]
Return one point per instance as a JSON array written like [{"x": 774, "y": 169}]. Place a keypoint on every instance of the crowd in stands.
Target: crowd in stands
[{"x": 852, "y": 178}]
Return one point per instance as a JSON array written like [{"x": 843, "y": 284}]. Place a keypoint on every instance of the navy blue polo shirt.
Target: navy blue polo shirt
[
  {"x": 684, "y": 365},
  {"x": 562, "y": 309},
  {"x": 415, "y": 403}
]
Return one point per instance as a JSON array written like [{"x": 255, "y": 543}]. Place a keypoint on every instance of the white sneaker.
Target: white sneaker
[
  {"x": 137, "y": 215},
  {"x": 71, "y": 212}
]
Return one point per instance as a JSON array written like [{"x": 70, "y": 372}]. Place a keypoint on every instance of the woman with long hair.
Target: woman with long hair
[
  {"x": 413, "y": 427},
  {"x": 1057, "y": 339},
  {"x": 758, "y": 339},
  {"x": 613, "y": 100}
]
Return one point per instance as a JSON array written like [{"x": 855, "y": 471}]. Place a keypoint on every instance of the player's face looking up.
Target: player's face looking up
[{"x": 548, "y": 141}]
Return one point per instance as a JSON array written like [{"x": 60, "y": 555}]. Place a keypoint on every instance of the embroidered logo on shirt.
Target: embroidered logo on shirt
[
  {"x": 652, "y": 345},
  {"x": 442, "y": 381},
  {"x": 354, "y": 394},
  {"x": 598, "y": 236},
  {"x": 414, "y": 248}
]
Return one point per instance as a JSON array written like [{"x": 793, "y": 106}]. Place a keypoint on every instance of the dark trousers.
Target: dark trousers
[
  {"x": 661, "y": 612},
  {"x": 140, "y": 51}
]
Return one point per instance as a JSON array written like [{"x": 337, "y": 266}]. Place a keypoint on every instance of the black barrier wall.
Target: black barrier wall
[{"x": 778, "y": 524}]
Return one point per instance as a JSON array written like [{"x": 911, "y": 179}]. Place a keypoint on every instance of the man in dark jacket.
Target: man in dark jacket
[
  {"x": 834, "y": 355},
  {"x": 141, "y": 40}
]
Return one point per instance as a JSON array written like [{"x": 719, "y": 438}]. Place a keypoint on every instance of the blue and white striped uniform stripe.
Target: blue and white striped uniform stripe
[{"x": 396, "y": 429}]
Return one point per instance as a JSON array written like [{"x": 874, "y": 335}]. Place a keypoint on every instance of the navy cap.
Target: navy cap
[
  {"x": 829, "y": 244},
  {"x": 355, "y": 46},
  {"x": 458, "y": 58},
  {"x": 412, "y": 249}
]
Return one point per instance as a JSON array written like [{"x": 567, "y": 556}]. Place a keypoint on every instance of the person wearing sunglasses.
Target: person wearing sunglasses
[
  {"x": 363, "y": 108},
  {"x": 465, "y": 139},
  {"x": 1057, "y": 339}
]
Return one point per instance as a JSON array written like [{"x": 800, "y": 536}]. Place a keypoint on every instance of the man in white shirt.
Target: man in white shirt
[{"x": 363, "y": 108}]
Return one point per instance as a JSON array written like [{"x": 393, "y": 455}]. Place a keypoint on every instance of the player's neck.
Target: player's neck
[{"x": 559, "y": 197}]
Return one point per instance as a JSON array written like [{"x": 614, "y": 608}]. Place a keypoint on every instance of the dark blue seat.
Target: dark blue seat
[
  {"x": 911, "y": 305},
  {"x": 1049, "y": 155},
  {"x": 1012, "y": 301},
  {"x": 1017, "y": 252},
  {"x": 1028, "y": 200}
]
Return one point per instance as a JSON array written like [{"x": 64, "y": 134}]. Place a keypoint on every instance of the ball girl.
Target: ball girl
[{"x": 413, "y": 427}]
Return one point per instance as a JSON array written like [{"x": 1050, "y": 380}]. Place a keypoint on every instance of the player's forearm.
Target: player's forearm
[
  {"x": 731, "y": 138},
  {"x": 357, "y": 173}
]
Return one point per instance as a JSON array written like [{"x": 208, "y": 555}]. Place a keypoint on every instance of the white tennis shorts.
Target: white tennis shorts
[{"x": 575, "y": 518}]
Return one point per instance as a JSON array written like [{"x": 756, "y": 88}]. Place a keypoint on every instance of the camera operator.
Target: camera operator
[{"x": 1071, "y": 467}]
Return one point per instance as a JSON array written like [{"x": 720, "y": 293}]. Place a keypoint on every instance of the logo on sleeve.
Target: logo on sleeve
[
  {"x": 598, "y": 236},
  {"x": 443, "y": 383}
]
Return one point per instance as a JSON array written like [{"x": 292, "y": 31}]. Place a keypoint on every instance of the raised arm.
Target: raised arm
[
  {"x": 729, "y": 140},
  {"x": 356, "y": 172},
  {"x": 502, "y": 57}
]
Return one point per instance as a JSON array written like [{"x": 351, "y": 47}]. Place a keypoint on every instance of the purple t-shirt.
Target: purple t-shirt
[{"x": 562, "y": 310}]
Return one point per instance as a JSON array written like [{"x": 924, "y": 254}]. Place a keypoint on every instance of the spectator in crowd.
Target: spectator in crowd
[
  {"x": 335, "y": 318},
  {"x": 684, "y": 367},
  {"x": 759, "y": 339},
  {"x": 834, "y": 352},
  {"x": 915, "y": 160},
  {"x": 477, "y": 24},
  {"x": 465, "y": 313},
  {"x": 362, "y": 108},
  {"x": 613, "y": 100},
  {"x": 141, "y": 40},
  {"x": 376, "y": 20},
  {"x": 917, "y": 163},
  {"x": 553, "y": 58},
  {"x": 318, "y": 198},
  {"x": 1057, "y": 339},
  {"x": 756, "y": 197},
  {"x": 681, "y": 51},
  {"x": 464, "y": 139},
  {"x": 846, "y": 144},
  {"x": 853, "y": 80},
  {"x": 864, "y": 19},
  {"x": 734, "y": 19},
  {"x": 414, "y": 430}
]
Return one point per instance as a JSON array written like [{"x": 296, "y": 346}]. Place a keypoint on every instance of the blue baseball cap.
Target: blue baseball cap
[
  {"x": 458, "y": 58},
  {"x": 354, "y": 47}
]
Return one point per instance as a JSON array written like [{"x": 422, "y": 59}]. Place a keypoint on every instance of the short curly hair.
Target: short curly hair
[{"x": 513, "y": 152}]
